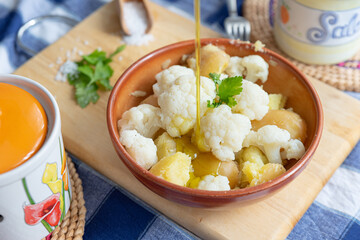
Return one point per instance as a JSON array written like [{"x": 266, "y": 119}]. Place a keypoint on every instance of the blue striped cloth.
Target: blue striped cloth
[{"x": 335, "y": 214}]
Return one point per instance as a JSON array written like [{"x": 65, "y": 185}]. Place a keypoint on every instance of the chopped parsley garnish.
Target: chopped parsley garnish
[
  {"x": 226, "y": 89},
  {"x": 93, "y": 72}
]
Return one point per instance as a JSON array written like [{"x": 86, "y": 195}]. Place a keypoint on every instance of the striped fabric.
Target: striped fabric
[{"x": 113, "y": 213}]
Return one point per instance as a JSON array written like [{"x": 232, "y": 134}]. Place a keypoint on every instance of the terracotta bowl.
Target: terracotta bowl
[{"x": 283, "y": 78}]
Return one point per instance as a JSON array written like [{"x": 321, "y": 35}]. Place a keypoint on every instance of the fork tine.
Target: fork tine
[
  {"x": 235, "y": 31},
  {"x": 229, "y": 30},
  {"x": 244, "y": 35},
  {"x": 247, "y": 32},
  {"x": 241, "y": 30},
  {"x": 237, "y": 28}
]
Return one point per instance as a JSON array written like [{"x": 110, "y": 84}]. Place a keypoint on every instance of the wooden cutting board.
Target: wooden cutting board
[{"x": 85, "y": 132}]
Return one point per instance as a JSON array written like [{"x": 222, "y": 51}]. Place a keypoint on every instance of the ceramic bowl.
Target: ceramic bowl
[
  {"x": 36, "y": 195},
  {"x": 283, "y": 78}
]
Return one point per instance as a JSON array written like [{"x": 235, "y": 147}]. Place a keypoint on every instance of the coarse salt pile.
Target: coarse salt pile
[
  {"x": 136, "y": 22},
  {"x": 69, "y": 67}
]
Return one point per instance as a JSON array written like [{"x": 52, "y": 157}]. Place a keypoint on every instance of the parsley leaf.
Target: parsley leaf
[
  {"x": 119, "y": 49},
  {"x": 230, "y": 87},
  {"x": 85, "y": 94},
  {"x": 93, "y": 72},
  {"x": 214, "y": 104},
  {"x": 87, "y": 70},
  {"x": 102, "y": 75},
  {"x": 95, "y": 57},
  {"x": 226, "y": 89},
  {"x": 216, "y": 78},
  {"x": 231, "y": 102}
]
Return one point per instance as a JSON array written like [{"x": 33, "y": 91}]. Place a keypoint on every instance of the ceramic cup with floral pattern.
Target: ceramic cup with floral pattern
[{"x": 35, "y": 196}]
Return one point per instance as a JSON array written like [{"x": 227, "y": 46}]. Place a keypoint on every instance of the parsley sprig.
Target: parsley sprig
[
  {"x": 93, "y": 72},
  {"x": 226, "y": 89}
]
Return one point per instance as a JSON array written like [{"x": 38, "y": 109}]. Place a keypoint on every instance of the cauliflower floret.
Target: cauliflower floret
[
  {"x": 235, "y": 68},
  {"x": 142, "y": 149},
  {"x": 223, "y": 76},
  {"x": 145, "y": 119},
  {"x": 223, "y": 132},
  {"x": 211, "y": 183},
  {"x": 166, "y": 78},
  {"x": 178, "y": 104},
  {"x": 252, "y": 102},
  {"x": 271, "y": 139},
  {"x": 255, "y": 68},
  {"x": 294, "y": 149}
]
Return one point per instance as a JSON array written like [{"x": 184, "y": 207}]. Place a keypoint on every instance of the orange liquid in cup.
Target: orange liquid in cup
[{"x": 23, "y": 126}]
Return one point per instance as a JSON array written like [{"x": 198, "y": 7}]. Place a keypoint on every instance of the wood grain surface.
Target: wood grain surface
[{"x": 86, "y": 136}]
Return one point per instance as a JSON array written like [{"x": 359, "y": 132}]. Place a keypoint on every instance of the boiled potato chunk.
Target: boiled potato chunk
[
  {"x": 165, "y": 145},
  {"x": 208, "y": 164},
  {"x": 174, "y": 168},
  {"x": 184, "y": 145},
  {"x": 230, "y": 170},
  {"x": 277, "y": 101},
  {"x": 158, "y": 133},
  {"x": 193, "y": 181},
  {"x": 254, "y": 155},
  {"x": 212, "y": 60},
  {"x": 268, "y": 172},
  {"x": 252, "y": 159},
  {"x": 250, "y": 171},
  {"x": 285, "y": 119},
  {"x": 198, "y": 140}
]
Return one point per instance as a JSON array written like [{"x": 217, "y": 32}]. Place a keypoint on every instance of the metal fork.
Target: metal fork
[{"x": 236, "y": 27}]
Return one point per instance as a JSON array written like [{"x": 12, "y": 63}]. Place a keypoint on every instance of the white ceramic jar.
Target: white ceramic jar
[
  {"x": 318, "y": 31},
  {"x": 35, "y": 196}
]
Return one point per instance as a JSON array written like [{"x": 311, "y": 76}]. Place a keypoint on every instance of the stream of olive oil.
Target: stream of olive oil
[{"x": 197, "y": 57}]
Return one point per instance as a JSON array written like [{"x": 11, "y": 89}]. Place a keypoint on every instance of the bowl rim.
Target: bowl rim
[{"x": 292, "y": 172}]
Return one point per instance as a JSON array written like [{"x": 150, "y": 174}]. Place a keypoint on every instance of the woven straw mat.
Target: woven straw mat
[
  {"x": 344, "y": 75},
  {"x": 72, "y": 227}
]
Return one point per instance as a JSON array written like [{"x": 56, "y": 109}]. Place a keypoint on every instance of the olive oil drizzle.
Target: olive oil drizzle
[{"x": 197, "y": 57}]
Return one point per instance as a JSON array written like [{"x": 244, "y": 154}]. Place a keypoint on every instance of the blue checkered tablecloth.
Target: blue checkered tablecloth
[{"x": 335, "y": 214}]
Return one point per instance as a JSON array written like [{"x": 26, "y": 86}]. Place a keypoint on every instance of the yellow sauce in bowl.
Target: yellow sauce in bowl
[{"x": 23, "y": 126}]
